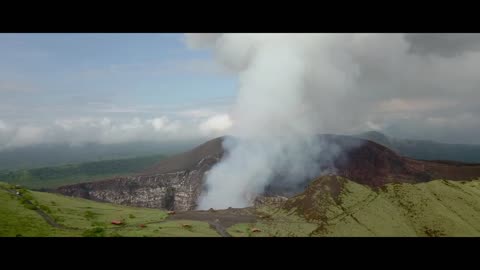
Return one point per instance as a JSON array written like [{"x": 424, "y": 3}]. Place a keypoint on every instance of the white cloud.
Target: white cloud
[
  {"x": 3, "y": 125},
  {"x": 164, "y": 124},
  {"x": 373, "y": 126},
  {"x": 200, "y": 41},
  {"x": 216, "y": 124},
  {"x": 107, "y": 130},
  {"x": 159, "y": 123},
  {"x": 27, "y": 135}
]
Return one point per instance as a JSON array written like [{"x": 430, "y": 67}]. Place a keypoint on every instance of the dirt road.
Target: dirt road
[{"x": 219, "y": 220}]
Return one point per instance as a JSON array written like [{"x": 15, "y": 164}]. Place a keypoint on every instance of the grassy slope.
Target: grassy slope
[
  {"x": 52, "y": 177},
  {"x": 87, "y": 218},
  {"x": 15, "y": 219},
  {"x": 437, "y": 208}
]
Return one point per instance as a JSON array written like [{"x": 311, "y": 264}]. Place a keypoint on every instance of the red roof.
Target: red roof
[{"x": 117, "y": 222}]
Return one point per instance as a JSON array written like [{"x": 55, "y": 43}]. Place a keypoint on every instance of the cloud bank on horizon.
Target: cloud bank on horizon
[{"x": 105, "y": 130}]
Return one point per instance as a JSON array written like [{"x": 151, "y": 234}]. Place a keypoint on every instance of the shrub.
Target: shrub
[
  {"x": 59, "y": 219},
  {"x": 95, "y": 232},
  {"x": 187, "y": 227},
  {"x": 98, "y": 224},
  {"x": 249, "y": 232},
  {"x": 131, "y": 216},
  {"x": 30, "y": 206},
  {"x": 45, "y": 208},
  {"x": 27, "y": 196},
  {"x": 89, "y": 214}
]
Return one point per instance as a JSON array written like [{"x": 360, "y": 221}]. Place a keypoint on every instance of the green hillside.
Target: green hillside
[
  {"x": 52, "y": 177},
  {"x": 79, "y": 217},
  {"x": 330, "y": 206},
  {"x": 436, "y": 208}
]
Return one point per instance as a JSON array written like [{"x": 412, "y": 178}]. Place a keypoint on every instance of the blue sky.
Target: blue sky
[
  {"x": 109, "y": 88},
  {"x": 126, "y": 87},
  {"x": 124, "y": 70}
]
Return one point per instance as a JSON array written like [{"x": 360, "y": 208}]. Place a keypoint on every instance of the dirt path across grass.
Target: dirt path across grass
[
  {"x": 39, "y": 211},
  {"x": 219, "y": 229},
  {"x": 219, "y": 220}
]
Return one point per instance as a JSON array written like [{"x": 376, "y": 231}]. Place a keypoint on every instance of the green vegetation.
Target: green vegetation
[
  {"x": 436, "y": 208},
  {"x": 80, "y": 217},
  {"x": 52, "y": 177},
  {"x": 89, "y": 215},
  {"x": 95, "y": 232},
  {"x": 16, "y": 219}
]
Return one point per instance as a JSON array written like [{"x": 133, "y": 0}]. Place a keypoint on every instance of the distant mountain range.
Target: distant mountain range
[
  {"x": 50, "y": 166},
  {"x": 426, "y": 150}
]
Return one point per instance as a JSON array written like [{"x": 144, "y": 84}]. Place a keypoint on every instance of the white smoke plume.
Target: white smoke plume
[
  {"x": 276, "y": 116},
  {"x": 294, "y": 86}
]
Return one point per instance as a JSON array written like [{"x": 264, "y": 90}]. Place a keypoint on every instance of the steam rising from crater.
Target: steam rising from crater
[
  {"x": 278, "y": 113},
  {"x": 295, "y": 86}
]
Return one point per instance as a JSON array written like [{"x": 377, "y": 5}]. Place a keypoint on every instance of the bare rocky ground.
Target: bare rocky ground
[{"x": 219, "y": 220}]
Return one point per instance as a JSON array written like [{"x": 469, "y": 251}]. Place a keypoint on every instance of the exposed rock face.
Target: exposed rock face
[
  {"x": 177, "y": 182},
  {"x": 174, "y": 184},
  {"x": 269, "y": 200},
  {"x": 172, "y": 191}
]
